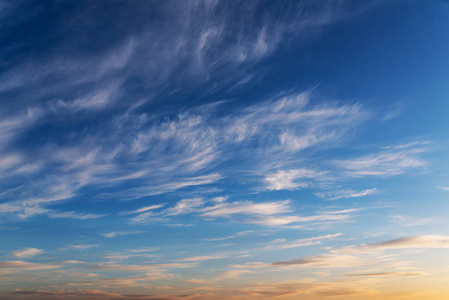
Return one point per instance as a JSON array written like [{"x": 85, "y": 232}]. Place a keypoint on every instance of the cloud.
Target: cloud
[
  {"x": 262, "y": 213},
  {"x": 219, "y": 199},
  {"x": 237, "y": 234},
  {"x": 201, "y": 258},
  {"x": 113, "y": 141},
  {"x": 282, "y": 244},
  {"x": 148, "y": 249},
  {"x": 95, "y": 294},
  {"x": 340, "y": 194},
  {"x": 292, "y": 119},
  {"x": 143, "y": 209},
  {"x": 173, "y": 186},
  {"x": 27, "y": 252},
  {"x": 409, "y": 222},
  {"x": 291, "y": 142},
  {"x": 72, "y": 215},
  {"x": 443, "y": 188},
  {"x": 321, "y": 261},
  {"x": 144, "y": 267},
  {"x": 232, "y": 274},
  {"x": 247, "y": 207},
  {"x": 391, "y": 161},
  {"x": 352, "y": 256},
  {"x": 387, "y": 274},
  {"x": 300, "y": 288},
  {"x": 96, "y": 100},
  {"x": 288, "y": 180},
  {"x": 13, "y": 125},
  {"x": 79, "y": 247},
  {"x": 423, "y": 241},
  {"x": 415, "y": 242},
  {"x": 329, "y": 216},
  {"x": 113, "y": 234},
  {"x": 14, "y": 266},
  {"x": 184, "y": 206},
  {"x": 134, "y": 281},
  {"x": 180, "y": 151}
]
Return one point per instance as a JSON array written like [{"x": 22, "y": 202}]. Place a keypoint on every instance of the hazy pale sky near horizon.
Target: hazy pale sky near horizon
[{"x": 224, "y": 149}]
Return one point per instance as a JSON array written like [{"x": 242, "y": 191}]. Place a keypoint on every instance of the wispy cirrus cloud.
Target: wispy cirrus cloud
[
  {"x": 443, "y": 188},
  {"x": 291, "y": 179},
  {"x": 231, "y": 274},
  {"x": 284, "y": 244},
  {"x": 272, "y": 213},
  {"x": 113, "y": 234},
  {"x": 236, "y": 235},
  {"x": 409, "y": 222},
  {"x": 181, "y": 151},
  {"x": 391, "y": 161},
  {"x": 143, "y": 209},
  {"x": 355, "y": 256},
  {"x": 343, "y": 194},
  {"x": 388, "y": 274},
  {"x": 302, "y": 287},
  {"x": 321, "y": 261},
  {"x": 423, "y": 241},
  {"x": 27, "y": 252},
  {"x": 144, "y": 267},
  {"x": 93, "y": 294},
  {"x": 248, "y": 208},
  {"x": 18, "y": 266},
  {"x": 201, "y": 258},
  {"x": 79, "y": 246},
  {"x": 184, "y": 206}
]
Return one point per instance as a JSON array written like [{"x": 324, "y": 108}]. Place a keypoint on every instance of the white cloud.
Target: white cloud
[
  {"x": 409, "y": 222},
  {"x": 27, "y": 252},
  {"x": 80, "y": 247},
  {"x": 288, "y": 179},
  {"x": 201, "y": 258},
  {"x": 167, "y": 150},
  {"x": 143, "y": 209},
  {"x": 282, "y": 244},
  {"x": 321, "y": 261},
  {"x": 247, "y": 208},
  {"x": 170, "y": 153},
  {"x": 15, "y": 266},
  {"x": 220, "y": 199},
  {"x": 423, "y": 241},
  {"x": 294, "y": 143},
  {"x": 388, "y": 274},
  {"x": 261, "y": 213},
  {"x": 329, "y": 216},
  {"x": 389, "y": 162},
  {"x": 96, "y": 100},
  {"x": 150, "y": 249},
  {"x": 233, "y": 274},
  {"x": 185, "y": 206},
  {"x": 235, "y": 235},
  {"x": 145, "y": 267},
  {"x": 339, "y": 194},
  {"x": 72, "y": 215},
  {"x": 113, "y": 234},
  {"x": 443, "y": 188}
]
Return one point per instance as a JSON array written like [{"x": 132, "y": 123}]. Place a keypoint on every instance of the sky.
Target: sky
[{"x": 223, "y": 149}]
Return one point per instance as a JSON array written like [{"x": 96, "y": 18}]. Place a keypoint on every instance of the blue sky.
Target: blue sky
[{"x": 224, "y": 149}]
